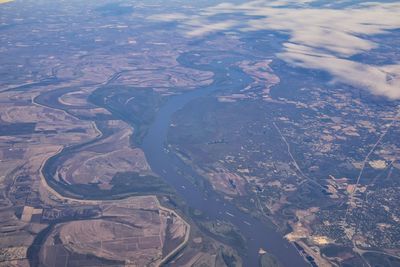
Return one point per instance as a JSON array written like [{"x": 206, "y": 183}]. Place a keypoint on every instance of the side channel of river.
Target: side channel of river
[{"x": 173, "y": 170}]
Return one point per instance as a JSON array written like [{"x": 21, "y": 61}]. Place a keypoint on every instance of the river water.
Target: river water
[{"x": 173, "y": 170}]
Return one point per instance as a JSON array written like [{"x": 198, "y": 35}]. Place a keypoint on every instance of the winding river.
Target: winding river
[
  {"x": 173, "y": 170},
  {"x": 257, "y": 234}
]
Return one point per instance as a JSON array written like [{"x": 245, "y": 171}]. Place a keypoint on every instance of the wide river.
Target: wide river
[{"x": 173, "y": 170}]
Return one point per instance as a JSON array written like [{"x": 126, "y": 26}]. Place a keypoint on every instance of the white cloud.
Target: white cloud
[
  {"x": 319, "y": 38},
  {"x": 212, "y": 27},
  {"x": 378, "y": 80},
  {"x": 168, "y": 17}
]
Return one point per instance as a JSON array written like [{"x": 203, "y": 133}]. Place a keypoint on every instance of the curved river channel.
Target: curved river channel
[{"x": 174, "y": 171}]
